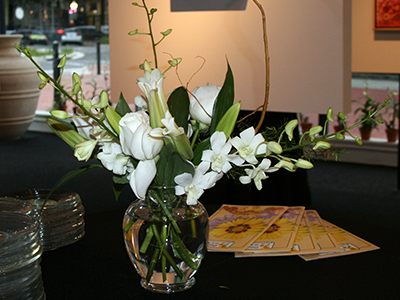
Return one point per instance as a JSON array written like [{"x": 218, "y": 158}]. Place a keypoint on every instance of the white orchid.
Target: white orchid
[
  {"x": 113, "y": 159},
  {"x": 135, "y": 139},
  {"x": 258, "y": 173},
  {"x": 141, "y": 178},
  {"x": 249, "y": 145},
  {"x": 202, "y": 103},
  {"x": 219, "y": 156},
  {"x": 194, "y": 186}
]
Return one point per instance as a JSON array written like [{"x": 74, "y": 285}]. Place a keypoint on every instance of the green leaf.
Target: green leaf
[
  {"x": 170, "y": 165},
  {"x": 121, "y": 179},
  {"x": 178, "y": 104},
  {"x": 228, "y": 121},
  {"x": 117, "y": 188},
  {"x": 122, "y": 107},
  {"x": 198, "y": 151},
  {"x": 70, "y": 175},
  {"x": 224, "y": 100}
]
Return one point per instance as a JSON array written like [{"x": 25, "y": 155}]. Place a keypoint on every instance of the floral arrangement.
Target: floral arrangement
[
  {"x": 194, "y": 128},
  {"x": 186, "y": 142}
]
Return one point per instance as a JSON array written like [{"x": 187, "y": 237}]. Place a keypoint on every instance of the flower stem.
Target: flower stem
[{"x": 153, "y": 44}]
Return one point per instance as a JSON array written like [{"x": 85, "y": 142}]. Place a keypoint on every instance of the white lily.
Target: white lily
[
  {"x": 152, "y": 86},
  {"x": 174, "y": 135},
  {"x": 219, "y": 156},
  {"x": 249, "y": 145},
  {"x": 84, "y": 150},
  {"x": 135, "y": 139},
  {"x": 141, "y": 178},
  {"x": 258, "y": 173},
  {"x": 113, "y": 159},
  {"x": 141, "y": 103},
  {"x": 194, "y": 186}
]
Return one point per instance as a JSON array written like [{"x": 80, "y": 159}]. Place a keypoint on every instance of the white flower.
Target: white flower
[
  {"x": 249, "y": 145},
  {"x": 194, "y": 186},
  {"x": 84, "y": 150},
  {"x": 152, "y": 80},
  {"x": 258, "y": 174},
  {"x": 202, "y": 103},
  {"x": 219, "y": 156},
  {"x": 141, "y": 103},
  {"x": 113, "y": 159},
  {"x": 135, "y": 139},
  {"x": 141, "y": 178},
  {"x": 170, "y": 129}
]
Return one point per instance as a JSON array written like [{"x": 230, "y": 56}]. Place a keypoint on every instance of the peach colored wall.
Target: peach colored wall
[
  {"x": 374, "y": 52},
  {"x": 310, "y": 50}
]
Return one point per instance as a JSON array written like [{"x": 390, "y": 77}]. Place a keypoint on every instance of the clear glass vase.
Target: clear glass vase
[{"x": 165, "y": 239}]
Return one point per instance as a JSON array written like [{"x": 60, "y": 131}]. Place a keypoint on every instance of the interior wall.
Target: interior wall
[
  {"x": 373, "y": 51},
  {"x": 309, "y": 43}
]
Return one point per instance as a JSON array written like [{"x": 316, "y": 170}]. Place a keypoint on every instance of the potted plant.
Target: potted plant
[
  {"x": 304, "y": 123},
  {"x": 368, "y": 105},
  {"x": 392, "y": 112}
]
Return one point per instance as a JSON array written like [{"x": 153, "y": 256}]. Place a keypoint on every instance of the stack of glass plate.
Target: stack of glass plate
[
  {"x": 20, "y": 252},
  {"x": 61, "y": 218}
]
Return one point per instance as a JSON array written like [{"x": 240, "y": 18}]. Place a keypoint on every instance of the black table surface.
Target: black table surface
[
  {"x": 98, "y": 267},
  {"x": 356, "y": 198}
]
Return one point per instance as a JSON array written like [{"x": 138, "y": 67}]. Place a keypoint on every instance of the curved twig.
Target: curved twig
[{"x": 267, "y": 72}]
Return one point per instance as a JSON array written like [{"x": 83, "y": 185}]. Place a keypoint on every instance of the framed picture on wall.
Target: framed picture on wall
[{"x": 387, "y": 15}]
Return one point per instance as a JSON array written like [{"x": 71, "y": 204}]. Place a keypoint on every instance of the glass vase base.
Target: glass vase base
[{"x": 167, "y": 288}]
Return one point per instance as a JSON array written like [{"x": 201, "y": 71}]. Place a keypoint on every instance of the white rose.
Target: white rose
[
  {"x": 206, "y": 95},
  {"x": 135, "y": 139}
]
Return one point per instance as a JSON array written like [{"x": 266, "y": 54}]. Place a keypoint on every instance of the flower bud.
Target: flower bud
[
  {"x": 342, "y": 116},
  {"x": 60, "y": 114},
  {"x": 287, "y": 165},
  {"x": 321, "y": 145},
  {"x": 175, "y": 62},
  {"x": 329, "y": 114},
  {"x": 290, "y": 127},
  {"x": 339, "y": 136},
  {"x": 304, "y": 164},
  {"x": 274, "y": 147}
]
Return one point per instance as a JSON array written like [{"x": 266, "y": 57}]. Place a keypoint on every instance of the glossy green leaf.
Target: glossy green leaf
[
  {"x": 170, "y": 165},
  {"x": 178, "y": 104},
  {"x": 224, "y": 100},
  {"x": 122, "y": 107},
  {"x": 198, "y": 150}
]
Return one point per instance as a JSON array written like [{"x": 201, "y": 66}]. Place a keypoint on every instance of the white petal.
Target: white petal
[
  {"x": 142, "y": 177},
  {"x": 247, "y": 135}
]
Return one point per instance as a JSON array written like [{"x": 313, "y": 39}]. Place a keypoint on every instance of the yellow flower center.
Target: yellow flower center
[{"x": 238, "y": 228}]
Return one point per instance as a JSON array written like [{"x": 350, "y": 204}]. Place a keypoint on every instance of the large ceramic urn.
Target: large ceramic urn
[{"x": 19, "y": 93}]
